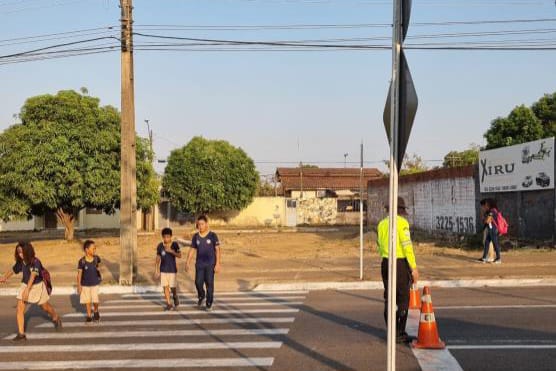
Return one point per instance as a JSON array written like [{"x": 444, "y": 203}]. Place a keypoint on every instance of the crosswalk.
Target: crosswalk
[{"x": 244, "y": 330}]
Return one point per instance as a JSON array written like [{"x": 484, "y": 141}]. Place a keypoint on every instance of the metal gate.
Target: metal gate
[{"x": 291, "y": 212}]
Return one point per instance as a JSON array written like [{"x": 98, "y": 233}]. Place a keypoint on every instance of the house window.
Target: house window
[{"x": 349, "y": 206}]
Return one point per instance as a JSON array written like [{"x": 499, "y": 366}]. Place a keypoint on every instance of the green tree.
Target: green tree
[
  {"x": 265, "y": 189},
  {"x": 545, "y": 110},
  {"x": 462, "y": 158},
  {"x": 65, "y": 156},
  {"x": 520, "y": 126},
  {"x": 210, "y": 175},
  {"x": 412, "y": 164}
]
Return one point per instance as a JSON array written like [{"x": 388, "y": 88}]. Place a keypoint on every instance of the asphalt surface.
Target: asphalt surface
[{"x": 485, "y": 329}]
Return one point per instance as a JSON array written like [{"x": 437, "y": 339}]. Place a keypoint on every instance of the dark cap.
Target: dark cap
[{"x": 401, "y": 204}]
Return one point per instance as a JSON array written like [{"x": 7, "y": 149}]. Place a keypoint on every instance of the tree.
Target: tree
[
  {"x": 462, "y": 158},
  {"x": 210, "y": 176},
  {"x": 411, "y": 164},
  {"x": 545, "y": 110},
  {"x": 520, "y": 126},
  {"x": 265, "y": 189},
  {"x": 65, "y": 156}
]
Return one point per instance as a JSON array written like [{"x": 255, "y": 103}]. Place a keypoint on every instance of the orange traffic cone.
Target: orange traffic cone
[
  {"x": 428, "y": 332},
  {"x": 414, "y": 298}
]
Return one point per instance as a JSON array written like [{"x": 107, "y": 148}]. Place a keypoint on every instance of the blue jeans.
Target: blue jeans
[
  {"x": 491, "y": 236},
  {"x": 204, "y": 276}
]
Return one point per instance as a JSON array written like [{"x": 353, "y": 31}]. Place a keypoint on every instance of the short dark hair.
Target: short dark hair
[
  {"x": 483, "y": 202},
  {"x": 203, "y": 218},
  {"x": 492, "y": 203},
  {"x": 87, "y": 244},
  {"x": 166, "y": 232},
  {"x": 28, "y": 252}
]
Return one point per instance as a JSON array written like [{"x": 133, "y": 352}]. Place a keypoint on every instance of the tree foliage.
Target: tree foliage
[
  {"x": 466, "y": 157},
  {"x": 210, "y": 176},
  {"x": 524, "y": 124},
  {"x": 65, "y": 156},
  {"x": 412, "y": 164}
]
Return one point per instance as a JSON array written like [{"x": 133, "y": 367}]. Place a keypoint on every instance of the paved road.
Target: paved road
[{"x": 485, "y": 329}]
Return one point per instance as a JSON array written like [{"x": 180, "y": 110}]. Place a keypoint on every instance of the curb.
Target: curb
[{"x": 377, "y": 285}]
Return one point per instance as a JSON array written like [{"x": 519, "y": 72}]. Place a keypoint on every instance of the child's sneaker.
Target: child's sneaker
[
  {"x": 58, "y": 324},
  {"x": 168, "y": 307},
  {"x": 209, "y": 307},
  {"x": 20, "y": 337},
  {"x": 96, "y": 317},
  {"x": 89, "y": 320},
  {"x": 200, "y": 303},
  {"x": 497, "y": 261}
]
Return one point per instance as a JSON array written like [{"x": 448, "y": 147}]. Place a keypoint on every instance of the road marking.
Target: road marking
[
  {"x": 200, "y": 321},
  {"x": 141, "y": 346},
  {"x": 187, "y": 299},
  {"x": 185, "y": 312},
  {"x": 502, "y": 347},
  {"x": 139, "y": 334},
  {"x": 515, "y": 306},
  {"x": 430, "y": 359},
  {"x": 182, "y": 363},
  {"x": 220, "y": 305},
  {"x": 254, "y": 294}
]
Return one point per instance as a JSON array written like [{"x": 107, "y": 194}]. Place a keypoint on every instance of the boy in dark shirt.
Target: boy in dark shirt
[
  {"x": 165, "y": 267},
  {"x": 88, "y": 280},
  {"x": 207, "y": 246}
]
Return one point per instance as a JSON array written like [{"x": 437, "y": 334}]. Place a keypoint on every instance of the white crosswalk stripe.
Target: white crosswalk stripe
[{"x": 245, "y": 328}]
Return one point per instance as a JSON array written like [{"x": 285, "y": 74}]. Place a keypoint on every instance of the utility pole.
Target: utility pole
[
  {"x": 128, "y": 195},
  {"x": 150, "y": 134},
  {"x": 361, "y": 216}
]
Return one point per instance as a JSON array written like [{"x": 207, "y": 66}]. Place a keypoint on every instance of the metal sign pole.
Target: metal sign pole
[
  {"x": 361, "y": 217},
  {"x": 393, "y": 201}
]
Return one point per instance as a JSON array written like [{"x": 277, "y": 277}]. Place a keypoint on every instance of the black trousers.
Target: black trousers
[
  {"x": 204, "y": 276},
  {"x": 403, "y": 285}
]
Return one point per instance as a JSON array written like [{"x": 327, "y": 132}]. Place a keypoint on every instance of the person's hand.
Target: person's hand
[
  {"x": 3, "y": 279},
  {"x": 79, "y": 290},
  {"x": 415, "y": 275},
  {"x": 156, "y": 275},
  {"x": 25, "y": 295},
  {"x": 217, "y": 268}
]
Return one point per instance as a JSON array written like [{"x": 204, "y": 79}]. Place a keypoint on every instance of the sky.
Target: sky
[{"x": 283, "y": 107}]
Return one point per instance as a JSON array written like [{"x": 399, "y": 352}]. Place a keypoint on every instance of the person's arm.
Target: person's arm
[
  {"x": 217, "y": 247},
  {"x": 79, "y": 275},
  {"x": 176, "y": 252},
  {"x": 6, "y": 276},
  {"x": 407, "y": 246},
  {"x": 189, "y": 257},
  {"x": 157, "y": 267}
]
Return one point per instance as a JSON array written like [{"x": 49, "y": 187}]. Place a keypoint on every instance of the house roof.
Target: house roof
[{"x": 324, "y": 178}]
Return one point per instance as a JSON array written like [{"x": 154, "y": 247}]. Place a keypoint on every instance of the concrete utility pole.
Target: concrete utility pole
[
  {"x": 128, "y": 195},
  {"x": 361, "y": 204}
]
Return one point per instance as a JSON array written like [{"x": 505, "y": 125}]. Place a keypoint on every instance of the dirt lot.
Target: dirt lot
[{"x": 250, "y": 258}]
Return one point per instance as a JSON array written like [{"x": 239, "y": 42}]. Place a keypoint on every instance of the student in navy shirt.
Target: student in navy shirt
[
  {"x": 88, "y": 280},
  {"x": 32, "y": 290},
  {"x": 207, "y": 246},
  {"x": 165, "y": 267}
]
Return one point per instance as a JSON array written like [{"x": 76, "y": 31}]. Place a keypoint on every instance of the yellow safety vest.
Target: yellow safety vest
[{"x": 404, "y": 247}]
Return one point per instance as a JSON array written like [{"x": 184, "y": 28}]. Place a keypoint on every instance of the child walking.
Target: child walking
[
  {"x": 165, "y": 267},
  {"x": 207, "y": 246},
  {"x": 88, "y": 281},
  {"x": 33, "y": 289}
]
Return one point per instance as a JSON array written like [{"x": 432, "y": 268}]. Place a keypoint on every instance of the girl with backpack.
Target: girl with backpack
[
  {"x": 495, "y": 225},
  {"x": 33, "y": 289}
]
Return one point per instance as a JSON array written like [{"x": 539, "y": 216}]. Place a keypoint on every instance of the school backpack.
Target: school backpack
[
  {"x": 45, "y": 275},
  {"x": 501, "y": 223}
]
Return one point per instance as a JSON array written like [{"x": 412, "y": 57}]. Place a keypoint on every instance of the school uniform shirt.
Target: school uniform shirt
[
  {"x": 91, "y": 273},
  {"x": 27, "y": 269},
  {"x": 168, "y": 261},
  {"x": 206, "y": 249}
]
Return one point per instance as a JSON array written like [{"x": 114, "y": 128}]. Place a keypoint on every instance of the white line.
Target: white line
[
  {"x": 141, "y": 346},
  {"x": 201, "y": 321},
  {"x": 502, "y": 347},
  {"x": 185, "y": 312},
  {"x": 184, "y": 298},
  {"x": 219, "y": 304},
  {"x": 182, "y": 363},
  {"x": 257, "y": 294},
  {"x": 430, "y": 359},
  {"x": 142, "y": 334},
  {"x": 515, "y": 306}
]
